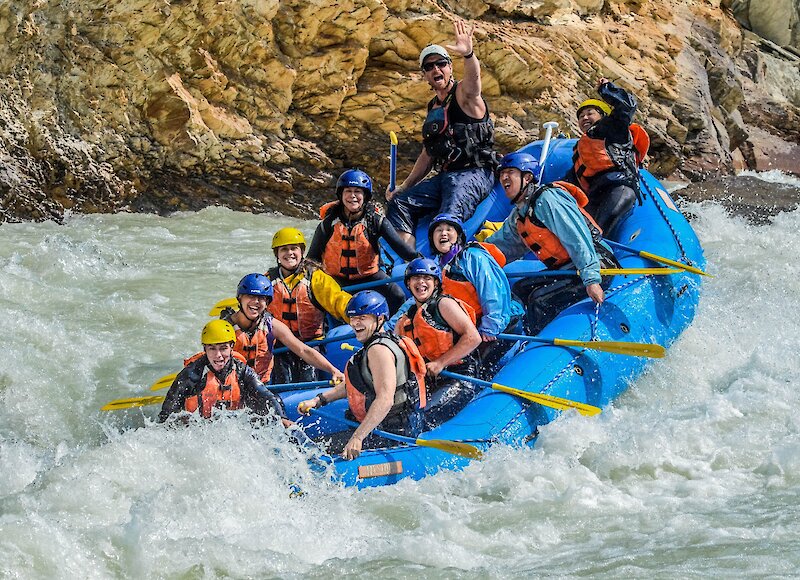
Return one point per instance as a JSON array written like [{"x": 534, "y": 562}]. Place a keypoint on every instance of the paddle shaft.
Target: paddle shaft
[
  {"x": 373, "y": 284},
  {"x": 548, "y": 135},
  {"x": 392, "y": 161},
  {"x": 603, "y": 272},
  {"x": 285, "y": 387},
  {"x": 319, "y": 342},
  {"x": 384, "y": 434},
  {"x": 657, "y": 259},
  {"x": 542, "y": 399}
]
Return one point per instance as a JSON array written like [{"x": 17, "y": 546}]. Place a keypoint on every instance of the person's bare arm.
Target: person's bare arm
[
  {"x": 383, "y": 367},
  {"x": 468, "y": 92},
  {"x": 461, "y": 323}
]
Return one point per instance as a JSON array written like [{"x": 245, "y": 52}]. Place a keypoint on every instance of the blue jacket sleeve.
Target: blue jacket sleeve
[
  {"x": 560, "y": 214},
  {"x": 392, "y": 322},
  {"x": 507, "y": 239},
  {"x": 492, "y": 288}
]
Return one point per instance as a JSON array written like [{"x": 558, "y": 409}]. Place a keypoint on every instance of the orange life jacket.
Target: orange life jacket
[
  {"x": 458, "y": 286},
  {"x": 544, "y": 243},
  {"x": 428, "y": 329},
  {"x": 225, "y": 395},
  {"x": 592, "y": 157},
  {"x": 256, "y": 349},
  {"x": 296, "y": 307},
  {"x": 410, "y": 393},
  {"x": 349, "y": 253}
]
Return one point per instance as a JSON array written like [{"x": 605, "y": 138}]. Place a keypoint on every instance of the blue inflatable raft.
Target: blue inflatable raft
[{"x": 648, "y": 309}]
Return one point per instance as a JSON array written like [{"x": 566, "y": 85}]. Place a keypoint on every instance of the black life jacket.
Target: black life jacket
[{"x": 456, "y": 141}]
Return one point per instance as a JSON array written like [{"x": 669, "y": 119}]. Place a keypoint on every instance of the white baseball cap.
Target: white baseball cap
[{"x": 432, "y": 49}]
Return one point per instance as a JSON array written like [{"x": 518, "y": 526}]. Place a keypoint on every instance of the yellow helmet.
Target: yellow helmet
[
  {"x": 288, "y": 237},
  {"x": 596, "y": 104},
  {"x": 218, "y": 332}
]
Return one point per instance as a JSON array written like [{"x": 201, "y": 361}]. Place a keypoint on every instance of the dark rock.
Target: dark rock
[{"x": 744, "y": 195}]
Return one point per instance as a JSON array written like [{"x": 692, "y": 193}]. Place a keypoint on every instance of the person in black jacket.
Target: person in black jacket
[{"x": 605, "y": 161}]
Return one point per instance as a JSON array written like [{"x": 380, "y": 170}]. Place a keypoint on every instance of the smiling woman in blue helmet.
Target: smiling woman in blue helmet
[
  {"x": 473, "y": 272},
  {"x": 346, "y": 240}
]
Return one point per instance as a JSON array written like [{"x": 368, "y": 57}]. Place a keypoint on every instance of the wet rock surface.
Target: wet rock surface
[
  {"x": 259, "y": 104},
  {"x": 753, "y": 198}
]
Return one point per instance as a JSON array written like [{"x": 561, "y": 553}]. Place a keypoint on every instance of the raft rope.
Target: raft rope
[{"x": 657, "y": 201}]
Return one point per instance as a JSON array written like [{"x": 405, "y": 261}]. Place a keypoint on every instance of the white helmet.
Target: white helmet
[{"x": 433, "y": 49}]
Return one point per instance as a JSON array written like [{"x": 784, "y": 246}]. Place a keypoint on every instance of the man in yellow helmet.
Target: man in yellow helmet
[
  {"x": 303, "y": 294},
  {"x": 605, "y": 158},
  {"x": 219, "y": 378}
]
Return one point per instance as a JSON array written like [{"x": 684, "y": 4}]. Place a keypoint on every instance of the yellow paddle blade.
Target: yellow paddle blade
[
  {"x": 550, "y": 400},
  {"x": 132, "y": 402},
  {"x": 222, "y": 305},
  {"x": 630, "y": 348},
  {"x": 674, "y": 263},
  {"x": 392, "y": 138},
  {"x": 454, "y": 447},
  {"x": 638, "y": 271},
  {"x": 164, "y": 382},
  {"x": 345, "y": 346}
]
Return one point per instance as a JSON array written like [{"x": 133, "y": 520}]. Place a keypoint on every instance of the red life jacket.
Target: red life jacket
[
  {"x": 296, "y": 307},
  {"x": 428, "y": 329},
  {"x": 225, "y": 395},
  {"x": 544, "y": 243},
  {"x": 410, "y": 369},
  {"x": 458, "y": 286},
  {"x": 349, "y": 253}
]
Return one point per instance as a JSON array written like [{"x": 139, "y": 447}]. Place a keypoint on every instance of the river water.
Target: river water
[{"x": 694, "y": 471}]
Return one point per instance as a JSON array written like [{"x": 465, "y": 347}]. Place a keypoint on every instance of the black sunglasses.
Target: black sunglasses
[{"x": 428, "y": 66}]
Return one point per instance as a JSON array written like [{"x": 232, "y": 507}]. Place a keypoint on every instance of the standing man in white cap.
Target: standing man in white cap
[{"x": 458, "y": 139}]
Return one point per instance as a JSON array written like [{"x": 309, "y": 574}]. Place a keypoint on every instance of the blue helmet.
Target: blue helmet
[
  {"x": 522, "y": 161},
  {"x": 255, "y": 285},
  {"x": 354, "y": 178},
  {"x": 367, "y": 302},
  {"x": 422, "y": 267},
  {"x": 446, "y": 218}
]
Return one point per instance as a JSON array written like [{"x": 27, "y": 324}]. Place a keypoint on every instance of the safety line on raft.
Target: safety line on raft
[{"x": 656, "y": 200}]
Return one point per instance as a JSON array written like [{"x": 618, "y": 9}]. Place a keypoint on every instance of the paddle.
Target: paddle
[
  {"x": 392, "y": 160},
  {"x": 549, "y": 126},
  {"x": 659, "y": 259},
  {"x": 163, "y": 382},
  {"x": 540, "y": 398},
  {"x": 454, "y": 447},
  {"x": 132, "y": 402},
  {"x": 319, "y": 342},
  {"x": 154, "y": 399},
  {"x": 603, "y": 272},
  {"x": 629, "y": 348},
  {"x": 222, "y": 305}
]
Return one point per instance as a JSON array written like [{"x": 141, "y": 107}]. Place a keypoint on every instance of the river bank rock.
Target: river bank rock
[
  {"x": 260, "y": 104},
  {"x": 745, "y": 195}
]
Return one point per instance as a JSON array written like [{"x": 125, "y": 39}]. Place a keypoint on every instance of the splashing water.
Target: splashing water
[{"x": 695, "y": 470}]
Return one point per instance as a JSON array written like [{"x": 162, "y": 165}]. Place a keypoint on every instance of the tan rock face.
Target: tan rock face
[{"x": 259, "y": 104}]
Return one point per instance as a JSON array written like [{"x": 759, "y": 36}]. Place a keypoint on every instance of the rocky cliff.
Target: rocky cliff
[{"x": 163, "y": 105}]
